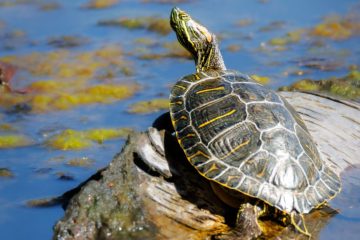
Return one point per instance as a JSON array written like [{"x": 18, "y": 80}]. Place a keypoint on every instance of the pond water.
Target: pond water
[{"x": 280, "y": 41}]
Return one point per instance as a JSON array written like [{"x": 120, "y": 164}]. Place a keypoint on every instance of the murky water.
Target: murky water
[{"x": 245, "y": 29}]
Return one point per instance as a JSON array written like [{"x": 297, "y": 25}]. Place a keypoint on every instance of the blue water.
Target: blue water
[{"x": 35, "y": 173}]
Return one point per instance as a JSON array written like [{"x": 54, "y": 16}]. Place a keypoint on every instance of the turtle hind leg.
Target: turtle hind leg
[{"x": 298, "y": 221}]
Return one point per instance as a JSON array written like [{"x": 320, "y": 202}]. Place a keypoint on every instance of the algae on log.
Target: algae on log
[{"x": 150, "y": 191}]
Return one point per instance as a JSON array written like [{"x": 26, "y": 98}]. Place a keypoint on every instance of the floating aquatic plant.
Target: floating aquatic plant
[
  {"x": 154, "y": 24},
  {"x": 150, "y": 106},
  {"x": 347, "y": 86},
  {"x": 75, "y": 140}
]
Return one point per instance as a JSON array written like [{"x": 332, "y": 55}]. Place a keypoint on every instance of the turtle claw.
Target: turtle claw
[{"x": 298, "y": 221}]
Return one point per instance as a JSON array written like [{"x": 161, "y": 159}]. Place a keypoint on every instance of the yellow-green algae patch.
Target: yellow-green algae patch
[
  {"x": 76, "y": 140},
  {"x": 165, "y": 1},
  {"x": 260, "y": 79},
  {"x": 67, "y": 41},
  {"x": 64, "y": 63},
  {"x": 14, "y": 140},
  {"x": 49, "y": 6},
  {"x": 150, "y": 106},
  {"x": 6, "y": 173},
  {"x": 81, "y": 162},
  {"x": 244, "y": 22},
  {"x": 169, "y": 50},
  {"x": 337, "y": 28},
  {"x": 154, "y": 24},
  {"x": 103, "y": 134},
  {"x": 74, "y": 79},
  {"x": 69, "y": 140},
  {"x": 289, "y": 38},
  {"x": 333, "y": 27},
  {"x": 99, "y": 4},
  {"x": 51, "y": 95},
  {"x": 347, "y": 86},
  {"x": 233, "y": 48}
]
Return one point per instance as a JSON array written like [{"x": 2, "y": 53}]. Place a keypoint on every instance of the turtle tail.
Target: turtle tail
[{"x": 298, "y": 221}]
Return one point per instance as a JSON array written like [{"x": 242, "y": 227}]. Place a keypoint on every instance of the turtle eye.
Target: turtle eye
[{"x": 184, "y": 16}]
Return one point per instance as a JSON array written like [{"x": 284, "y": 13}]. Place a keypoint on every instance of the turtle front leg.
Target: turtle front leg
[{"x": 247, "y": 219}]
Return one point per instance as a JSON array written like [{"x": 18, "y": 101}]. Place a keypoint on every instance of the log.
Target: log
[{"x": 150, "y": 191}]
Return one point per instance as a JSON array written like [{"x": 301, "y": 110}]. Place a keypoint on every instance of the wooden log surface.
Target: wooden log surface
[{"x": 150, "y": 191}]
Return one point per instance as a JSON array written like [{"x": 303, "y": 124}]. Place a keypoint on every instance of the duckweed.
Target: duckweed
[
  {"x": 76, "y": 140},
  {"x": 14, "y": 140},
  {"x": 150, "y": 106}
]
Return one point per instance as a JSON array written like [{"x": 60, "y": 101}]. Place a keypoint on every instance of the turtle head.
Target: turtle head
[{"x": 199, "y": 41}]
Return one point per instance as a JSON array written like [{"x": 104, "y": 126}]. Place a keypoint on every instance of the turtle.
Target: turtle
[{"x": 246, "y": 139}]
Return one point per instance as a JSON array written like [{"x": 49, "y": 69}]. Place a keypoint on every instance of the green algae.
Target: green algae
[
  {"x": 272, "y": 26},
  {"x": 6, "y": 173},
  {"x": 81, "y": 162},
  {"x": 332, "y": 27},
  {"x": 337, "y": 28},
  {"x": 233, "y": 48},
  {"x": 289, "y": 38},
  {"x": 165, "y": 1},
  {"x": 49, "y": 6},
  {"x": 64, "y": 63},
  {"x": 153, "y": 105},
  {"x": 103, "y": 134},
  {"x": 153, "y": 24},
  {"x": 76, "y": 140},
  {"x": 100, "y": 4},
  {"x": 260, "y": 79},
  {"x": 67, "y": 41},
  {"x": 69, "y": 140},
  {"x": 244, "y": 22},
  {"x": 14, "y": 140},
  {"x": 168, "y": 50},
  {"x": 347, "y": 86},
  {"x": 72, "y": 79}
]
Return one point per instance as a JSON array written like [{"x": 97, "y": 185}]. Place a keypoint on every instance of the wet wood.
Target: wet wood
[{"x": 165, "y": 198}]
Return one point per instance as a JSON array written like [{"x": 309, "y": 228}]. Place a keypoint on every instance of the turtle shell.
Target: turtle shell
[{"x": 247, "y": 138}]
